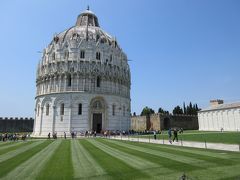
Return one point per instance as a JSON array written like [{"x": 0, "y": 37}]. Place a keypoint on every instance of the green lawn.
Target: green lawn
[
  {"x": 111, "y": 159},
  {"x": 200, "y": 136}
]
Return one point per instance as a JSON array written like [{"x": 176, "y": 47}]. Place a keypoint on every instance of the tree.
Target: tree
[
  {"x": 192, "y": 109},
  {"x": 147, "y": 111},
  {"x": 177, "y": 110},
  {"x": 184, "y": 108},
  {"x": 162, "y": 111}
]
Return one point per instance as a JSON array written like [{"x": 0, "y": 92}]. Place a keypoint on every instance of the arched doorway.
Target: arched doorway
[{"x": 98, "y": 114}]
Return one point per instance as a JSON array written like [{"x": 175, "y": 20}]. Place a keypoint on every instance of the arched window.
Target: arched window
[
  {"x": 79, "y": 109},
  {"x": 98, "y": 55},
  {"x": 66, "y": 55},
  {"x": 53, "y": 56},
  {"x": 98, "y": 81},
  {"x": 47, "y": 110},
  {"x": 69, "y": 80},
  {"x": 113, "y": 109},
  {"x": 82, "y": 54},
  {"x": 62, "y": 109}
]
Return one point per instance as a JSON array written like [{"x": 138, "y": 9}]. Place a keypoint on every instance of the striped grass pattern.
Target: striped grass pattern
[{"x": 112, "y": 159}]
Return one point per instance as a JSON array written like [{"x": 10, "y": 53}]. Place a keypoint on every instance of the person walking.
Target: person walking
[
  {"x": 49, "y": 135},
  {"x": 170, "y": 135},
  {"x": 65, "y": 136},
  {"x": 154, "y": 135},
  {"x": 175, "y": 134}
]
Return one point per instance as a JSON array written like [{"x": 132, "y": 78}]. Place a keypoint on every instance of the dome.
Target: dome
[
  {"x": 86, "y": 27},
  {"x": 83, "y": 81}
]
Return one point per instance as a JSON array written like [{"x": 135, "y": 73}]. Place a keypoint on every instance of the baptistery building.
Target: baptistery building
[{"x": 83, "y": 81}]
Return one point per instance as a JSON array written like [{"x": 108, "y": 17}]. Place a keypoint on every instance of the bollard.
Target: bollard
[{"x": 163, "y": 139}]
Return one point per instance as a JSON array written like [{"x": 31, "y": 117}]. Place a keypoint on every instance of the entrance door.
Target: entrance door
[{"x": 97, "y": 122}]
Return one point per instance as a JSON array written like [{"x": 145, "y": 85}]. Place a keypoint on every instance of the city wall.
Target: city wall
[
  {"x": 12, "y": 125},
  {"x": 163, "y": 122}
]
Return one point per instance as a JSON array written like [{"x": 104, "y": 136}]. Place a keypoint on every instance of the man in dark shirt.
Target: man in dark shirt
[{"x": 175, "y": 134}]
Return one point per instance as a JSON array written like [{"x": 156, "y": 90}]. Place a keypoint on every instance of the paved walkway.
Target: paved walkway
[{"x": 216, "y": 146}]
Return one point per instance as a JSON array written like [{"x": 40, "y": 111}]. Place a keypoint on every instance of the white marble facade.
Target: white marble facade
[
  {"x": 224, "y": 117},
  {"x": 83, "y": 82}
]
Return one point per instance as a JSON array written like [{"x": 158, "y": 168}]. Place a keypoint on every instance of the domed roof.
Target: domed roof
[
  {"x": 87, "y": 18},
  {"x": 86, "y": 27}
]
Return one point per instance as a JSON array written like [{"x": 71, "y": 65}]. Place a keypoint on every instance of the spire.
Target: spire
[{"x": 88, "y": 8}]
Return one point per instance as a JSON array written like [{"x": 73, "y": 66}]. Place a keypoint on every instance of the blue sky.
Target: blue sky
[{"x": 181, "y": 50}]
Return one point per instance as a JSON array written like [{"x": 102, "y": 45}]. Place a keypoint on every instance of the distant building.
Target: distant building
[
  {"x": 220, "y": 116},
  {"x": 83, "y": 81}
]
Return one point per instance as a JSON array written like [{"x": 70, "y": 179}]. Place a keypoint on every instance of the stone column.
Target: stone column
[
  {"x": 78, "y": 76},
  {"x": 84, "y": 83},
  {"x": 59, "y": 83},
  {"x": 72, "y": 83},
  {"x": 41, "y": 116},
  {"x": 70, "y": 117},
  {"x": 53, "y": 118},
  {"x": 50, "y": 85},
  {"x": 34, "y": 122},
  {"x": 54, "y": 83},
  {"x": 234, "y": 120},
  {"x": 65, "y": 82}
]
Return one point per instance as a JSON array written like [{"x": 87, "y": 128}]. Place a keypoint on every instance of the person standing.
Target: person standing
[
  {"x": 175, "y": 134},
  {"x": 154, "y": 135},
  {"x": 49, "y": 135},
  {"x": 65, "y": 136},
  {"x": 170, "y": 135}
]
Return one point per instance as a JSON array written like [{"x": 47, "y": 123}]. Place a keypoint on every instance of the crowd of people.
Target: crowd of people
[
  {"x": 108, "y": 133},
  {"x": 13, "y": 137}
]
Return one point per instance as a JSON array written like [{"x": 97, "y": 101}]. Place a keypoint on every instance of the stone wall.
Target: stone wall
[
  {"x": 163, "y": 122},
  {"x": 16, "y": 125},
  {"x": 139, "y": 123}
]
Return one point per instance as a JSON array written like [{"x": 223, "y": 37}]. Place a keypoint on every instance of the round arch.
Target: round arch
[{"x": 98, "y": 120}]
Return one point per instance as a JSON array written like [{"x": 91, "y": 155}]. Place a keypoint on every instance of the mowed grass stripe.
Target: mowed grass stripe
[
  {"x": 168, "y": 165},
  {"x": 20, "y": 150},
  {"x": 31, "y": 168},
  {"x": 184, "y": 159},
  {"x": 209, "y": 152},
  {"x": 17, "y": 160},
  {"x": 4, "y": 144},
  {"x": 220, "y": 158},
  {"x": 59, "y": 166},
  {"x": 212, "y": 160},
  {"x": 221, "y": 172},
  {"x": 83, "y": 163},
  {"x": 131, "y": 160},
  {"x": 114, "y": 167},
  {"x": 12, "y": 147}
]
